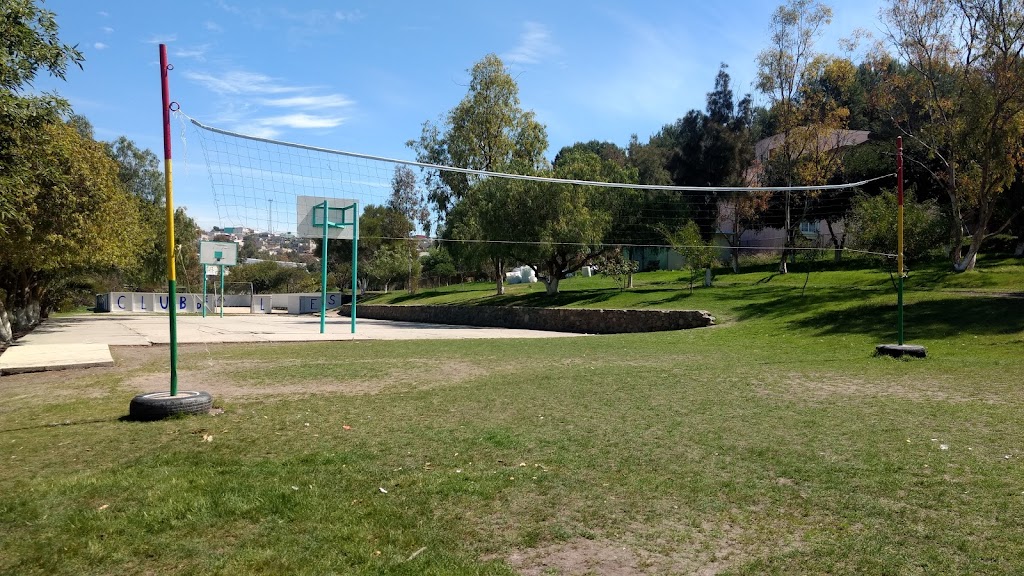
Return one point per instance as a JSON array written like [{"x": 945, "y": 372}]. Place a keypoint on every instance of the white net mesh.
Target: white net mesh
[{"x": 255, "y": 182}]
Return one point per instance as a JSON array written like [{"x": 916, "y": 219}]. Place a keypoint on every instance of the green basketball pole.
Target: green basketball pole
[
  {"x": 203, "y": 266},
  {"x": 323, "y": 270},
  {"x": 327, "y": 224},
  {"x": 172, "y": 289},
  {"x": 355, "y": 261},
  {"x": 221, "y": 290}
]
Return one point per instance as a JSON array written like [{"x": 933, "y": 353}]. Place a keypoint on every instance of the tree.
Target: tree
[
  {"x": 619, "y": 267},
  {"x": 873, "y": 224},
  {"x": 785, "y": 72},
  {"x": 438, "y": 264},
  {"x": 698, "y": 253},
  {"x": 964, "y": 77},
  {"x": 387, "y": 264},
  {"x": 407, "y": 198},
  {"x": 739, "y": 212},
  {"x": 74, "y": 217},
  {"x": 29, "y": 44},
  {"x": 706, "y": 148},
  {"x": 727, "y": 153},
  {"x": 269, "y": 277},
  {"x": 250, "y": 247},
  {"x": 141, "y": 176},
  {"x": 487, "y": 130},
  {"x": 569, "y": 222},
  {"x": 409, "y": 201},
  {"x": 380, "y": 228},
  {"x": 644, "y": 210},
  {"x": 29, "y": 41}
]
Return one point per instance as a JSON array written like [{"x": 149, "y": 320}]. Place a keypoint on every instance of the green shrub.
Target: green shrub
[{"x": 873, "y": 224}]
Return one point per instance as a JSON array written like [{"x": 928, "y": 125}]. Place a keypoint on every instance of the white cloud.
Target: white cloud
[
  {"x": 196, "y": 52},
  {"x": 257, "y": 131},
  {"x": 212, "y": 26},
  {"x": 104, "y": 14},
  {"x": 350, "y": 16},
  {"x": 162, "y": 39},
  {"x": 246, "y": 100},
  {"x": 310, "y": 102},
  {"x": 535, "y": 45},
  {"x": 108, "y": 30},
  {"x": 240, "y": 82},
  {"x": 99, "y": 46},
  {"x": 229, "y": 8},
  {"x": 299, "y": 120}
]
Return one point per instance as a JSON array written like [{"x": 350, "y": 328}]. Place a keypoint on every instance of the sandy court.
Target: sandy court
[{"x": 76, "y": 341}]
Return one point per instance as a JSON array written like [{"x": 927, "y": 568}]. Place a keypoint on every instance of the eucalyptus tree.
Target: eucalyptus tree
[
  {"x": 487, "y": 130},
  {"x": 784, "y": 68},
  {"x": 960, "y": 97}
]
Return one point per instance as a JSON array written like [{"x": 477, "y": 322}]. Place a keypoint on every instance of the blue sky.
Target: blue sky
[{"x": 363, "y": 76}]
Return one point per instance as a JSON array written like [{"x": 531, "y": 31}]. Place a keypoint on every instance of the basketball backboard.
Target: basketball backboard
[
  {"x": 218, "y": 253},
  {"x": 310, "y": 217}
]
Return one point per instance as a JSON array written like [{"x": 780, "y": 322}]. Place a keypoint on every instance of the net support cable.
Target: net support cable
[
  {"x": 253, "y": 184},
  {"x": 541, "y": 178}
]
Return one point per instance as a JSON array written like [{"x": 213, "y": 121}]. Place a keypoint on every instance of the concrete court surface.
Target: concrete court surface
[{"x": 82, "y": 341}]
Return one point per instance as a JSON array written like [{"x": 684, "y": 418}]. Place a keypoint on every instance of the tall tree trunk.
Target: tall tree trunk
[
  {"x": 968, "y": 260},
  {"x": 783, "y": 269},
  {"x": 499, "y": 276},
  {"x": 734, "y": 257},
  {"x": 836, "y": 242},
  {"x": 551, "y": 284},
  {"x": 629, "y": 278},
  {"x": 956, "y": 231},
  {"x": 6, "y": 334}
]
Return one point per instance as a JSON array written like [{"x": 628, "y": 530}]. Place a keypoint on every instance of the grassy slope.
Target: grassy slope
[{"x": 774, "y": 443}]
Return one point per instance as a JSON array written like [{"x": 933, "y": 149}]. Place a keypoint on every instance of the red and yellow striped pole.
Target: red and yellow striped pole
[
  {"x": 899, "y": 239},
  {"x": 172, "y": 289}
]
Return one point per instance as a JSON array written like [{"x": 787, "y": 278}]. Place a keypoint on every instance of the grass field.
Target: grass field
[{"x": 773, "y": 443}]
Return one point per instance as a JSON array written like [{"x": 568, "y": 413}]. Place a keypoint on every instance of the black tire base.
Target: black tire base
[
  {"x": 160, "y": 405},
  {"x": 901, "y": 350}
]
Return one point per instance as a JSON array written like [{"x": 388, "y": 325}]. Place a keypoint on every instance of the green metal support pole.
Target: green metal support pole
[
  {"x": 323, "y": 273},
  {"x": 355, "y": 261},
  {"x": 203, "y": 266},
  {"x": 899, "y": 312},
  {"x": 222, "y": 291}
]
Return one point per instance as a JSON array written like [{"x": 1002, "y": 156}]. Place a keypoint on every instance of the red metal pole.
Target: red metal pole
[
  {"x": 899, "y": 238},
  {"x": 172, "y": 289}
]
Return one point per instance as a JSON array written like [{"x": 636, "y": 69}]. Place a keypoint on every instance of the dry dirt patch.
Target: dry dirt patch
[
  {"x": 703, "y": 551},
  {"x": 831, "y": 386},
  {"x": 217, "y": 379},
  {"x": 60, "y": 386}
]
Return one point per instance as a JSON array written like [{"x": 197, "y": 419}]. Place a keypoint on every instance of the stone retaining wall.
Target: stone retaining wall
[{"x": 579, "y": 320}]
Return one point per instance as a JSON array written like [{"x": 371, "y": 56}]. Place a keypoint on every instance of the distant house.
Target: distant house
[
  {"x": 768, "y": 239},
  {"x": 765, "y": 150},
  {"x": 280, "y": 263}
]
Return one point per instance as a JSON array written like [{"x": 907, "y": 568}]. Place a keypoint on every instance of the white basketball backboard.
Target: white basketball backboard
[
  {"x": 310, "y": 217},
  {"x": 218, "y": 253}
]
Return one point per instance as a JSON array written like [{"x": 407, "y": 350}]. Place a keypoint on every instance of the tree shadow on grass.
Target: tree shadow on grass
[
  {"x": 588, "y": 297},
  {"x": 837, "y": 313},
  {"x": 593, "y": 297}
]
